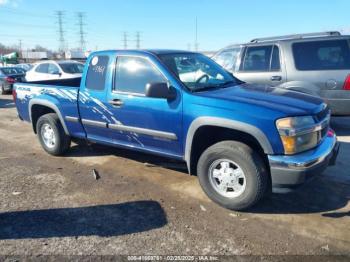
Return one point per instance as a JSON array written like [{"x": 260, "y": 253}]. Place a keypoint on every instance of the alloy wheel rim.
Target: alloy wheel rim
[
  {"x": 48, "y": 135},
  {"x": 227, "y": 178}
]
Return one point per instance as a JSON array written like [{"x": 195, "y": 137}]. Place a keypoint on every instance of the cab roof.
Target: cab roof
[{"x": 148, "y": 51}]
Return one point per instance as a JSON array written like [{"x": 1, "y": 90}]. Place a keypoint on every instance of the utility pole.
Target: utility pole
[
  {"x": 61, "y": 40},
  {"x": 196, "y": 45},
  {"x": 20, "y": 45},
  {"x": 125, "y": 40},
  {"x": 138, "y": 40},
  {"x": 20, "y": 48},
  {"x": 81, "y": 24}
]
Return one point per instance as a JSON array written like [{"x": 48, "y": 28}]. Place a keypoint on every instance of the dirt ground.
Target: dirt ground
[{"x": 149, "y": 205}]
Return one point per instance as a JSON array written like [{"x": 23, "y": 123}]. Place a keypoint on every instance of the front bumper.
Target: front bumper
[{"x": 290, "y": 171}]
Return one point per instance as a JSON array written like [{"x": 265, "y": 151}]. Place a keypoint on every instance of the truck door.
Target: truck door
[
  {"x": 261, "y": 65},
  {"x": 153, "y": 124},
  {"x": 93, "y": 106}
]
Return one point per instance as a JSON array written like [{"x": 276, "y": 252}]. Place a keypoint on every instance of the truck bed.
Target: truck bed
[{"x": 61, "y": 95}]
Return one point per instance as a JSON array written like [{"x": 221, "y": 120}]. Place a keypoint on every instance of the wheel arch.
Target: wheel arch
[
  {"x": 250, "y": 133},
  {"x": 45, "y": 107}
]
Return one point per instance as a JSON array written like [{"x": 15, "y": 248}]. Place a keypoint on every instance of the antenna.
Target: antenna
[
  {"x": 81, "y": 24},
  {"x": 60, "y": 15}
]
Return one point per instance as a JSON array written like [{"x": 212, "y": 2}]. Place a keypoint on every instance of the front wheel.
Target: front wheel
[
  {"x": 232, "y": 175},
  {"x": 51, "y": 135}
]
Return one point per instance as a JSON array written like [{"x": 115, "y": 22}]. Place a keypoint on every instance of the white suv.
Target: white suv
[{"x": 50, "y": 70}]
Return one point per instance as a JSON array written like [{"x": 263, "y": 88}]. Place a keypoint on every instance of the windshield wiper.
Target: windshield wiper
[
  {"x": 225, "y": 84},
  {"x": 203, "y": 88}
]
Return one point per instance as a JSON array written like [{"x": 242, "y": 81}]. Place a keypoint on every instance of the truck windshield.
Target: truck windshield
[
  {"x": 72, "y": 68},
  {"x": 197, "y": 71}
]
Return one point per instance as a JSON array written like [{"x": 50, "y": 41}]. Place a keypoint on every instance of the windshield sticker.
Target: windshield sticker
[{"x": 94, "y": 61}]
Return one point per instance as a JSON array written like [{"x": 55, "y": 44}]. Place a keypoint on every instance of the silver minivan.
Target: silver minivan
[{"x": 317, "y": 64}]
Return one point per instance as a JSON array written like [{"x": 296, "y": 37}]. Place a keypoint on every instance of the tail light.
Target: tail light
[
  {"x": 346, "y": 85},
  {"x": 14, "y": 95},
  {"x": 10, "y": 80}
]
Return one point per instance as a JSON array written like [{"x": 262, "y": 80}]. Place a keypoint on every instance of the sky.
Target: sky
[{"x": 165, "y": 23}]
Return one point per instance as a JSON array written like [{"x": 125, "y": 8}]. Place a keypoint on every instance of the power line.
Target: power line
[
  {"x": 23, "y": 24},
  {"x": 125, "y": 40},
  {"x": 82, "y": 33},
  {"x": 138, "y": 40},
  {"x": 61, "y": 32},
  {"x": 21, "y": 13},
  {"x": 26, "y": 36}
]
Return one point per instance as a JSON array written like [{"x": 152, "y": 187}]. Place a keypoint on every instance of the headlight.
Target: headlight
[{"x": 298, "y": 134}]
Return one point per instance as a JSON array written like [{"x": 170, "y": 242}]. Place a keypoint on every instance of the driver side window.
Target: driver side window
[
  {"x": 53, "y": 69},
  {"x": 132, "y": 74},
  {"x": 42, "y": 68}
]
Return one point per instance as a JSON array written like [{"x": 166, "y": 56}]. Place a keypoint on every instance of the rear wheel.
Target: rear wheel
[
  {"x": 232, "y": 175},
  {"x": 51, "y": 134}
]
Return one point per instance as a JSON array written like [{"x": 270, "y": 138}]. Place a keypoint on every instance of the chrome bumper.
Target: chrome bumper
[{"x": 289, "y": 171}]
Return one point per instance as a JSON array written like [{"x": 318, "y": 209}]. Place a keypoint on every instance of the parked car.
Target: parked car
[
  {"x": 8, "y": 76},
  {"x": 317, "y": 64},
  {"x": 49, "y": 70},
  {"x": 239, "y": 139},
  {"x": 25, "y": 67}
]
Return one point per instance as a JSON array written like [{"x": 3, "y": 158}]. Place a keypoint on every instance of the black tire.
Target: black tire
[
  {"x": 250, "y": 162},
  {"x": 62, "y": 141}
]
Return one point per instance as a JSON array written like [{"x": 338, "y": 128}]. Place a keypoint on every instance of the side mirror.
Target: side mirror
[
  {"x": 160, "y": 90},
  {"x": 56, "y": 73}
]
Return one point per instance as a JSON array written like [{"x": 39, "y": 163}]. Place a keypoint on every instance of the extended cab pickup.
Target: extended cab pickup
[{"x": 240, "y": 140}]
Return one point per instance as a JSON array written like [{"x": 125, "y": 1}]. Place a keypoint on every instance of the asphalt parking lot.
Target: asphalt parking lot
[{"x": 148, "y": 205}]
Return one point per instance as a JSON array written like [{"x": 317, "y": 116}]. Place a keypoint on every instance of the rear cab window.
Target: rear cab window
[
  {"x": 321, "y": 55},
  {"x": 97, "y": 71},
  {"x": 261, "y": 59}
]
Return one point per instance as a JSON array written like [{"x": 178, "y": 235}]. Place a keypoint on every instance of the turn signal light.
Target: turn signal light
[{"x": 289, "y": 143}]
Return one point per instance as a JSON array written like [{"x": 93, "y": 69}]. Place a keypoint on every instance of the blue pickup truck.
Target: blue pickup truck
[{"x": 240, "y": 140}]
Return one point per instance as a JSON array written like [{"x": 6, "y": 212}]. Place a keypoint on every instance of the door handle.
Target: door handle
[
  {"x": 116, "y": 102},
  {"x": 276, "y": 78}
]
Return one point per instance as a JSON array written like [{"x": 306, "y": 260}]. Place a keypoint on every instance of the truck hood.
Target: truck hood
[{"x": 274, "y": 98}]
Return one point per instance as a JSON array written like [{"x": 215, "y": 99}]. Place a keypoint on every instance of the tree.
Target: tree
[
  {"x": 7, "y": 49},
  {"x": 40, "y": 48}
]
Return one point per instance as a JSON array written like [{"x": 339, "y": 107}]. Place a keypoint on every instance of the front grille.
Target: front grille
[
  {"x": 322, "y": 114},
  {"x": 323, "y": 117}
]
